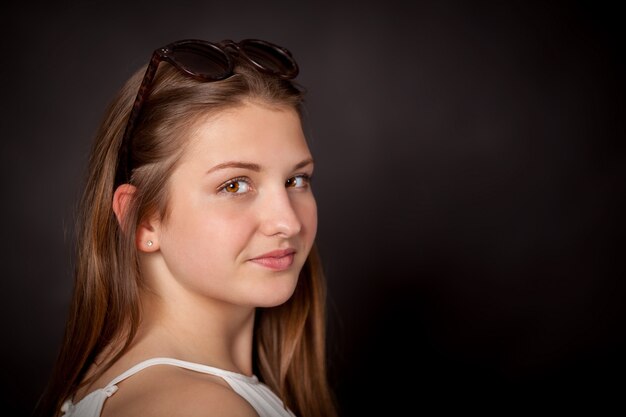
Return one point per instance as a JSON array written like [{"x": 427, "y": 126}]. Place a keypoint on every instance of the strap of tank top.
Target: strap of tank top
[{"x": 182, "y": 364}]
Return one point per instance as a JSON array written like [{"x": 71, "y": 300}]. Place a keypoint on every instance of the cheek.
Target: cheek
[
  {"x": 306, "y": 210},
  {"x": 197, "y": 242}
]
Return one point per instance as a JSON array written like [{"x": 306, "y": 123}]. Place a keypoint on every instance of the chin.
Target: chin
[{"x": 275, "y": 294}]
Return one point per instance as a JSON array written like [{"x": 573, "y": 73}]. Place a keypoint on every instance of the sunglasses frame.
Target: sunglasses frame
[{"x": 168, "y": 53}]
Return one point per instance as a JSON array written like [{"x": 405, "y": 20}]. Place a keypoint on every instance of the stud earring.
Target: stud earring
[{"x": 149, "y": 243}]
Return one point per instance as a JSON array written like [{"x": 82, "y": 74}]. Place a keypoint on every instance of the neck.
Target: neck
[
  {"x": 183, "y": 322},
  {"x": 198, "y": 331}
]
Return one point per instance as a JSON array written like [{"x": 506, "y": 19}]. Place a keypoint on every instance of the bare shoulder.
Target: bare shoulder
[{"x": 163, "y": 390}]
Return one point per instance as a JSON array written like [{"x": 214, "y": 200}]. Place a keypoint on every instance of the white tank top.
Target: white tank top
[{"x": 260, "y": 397}]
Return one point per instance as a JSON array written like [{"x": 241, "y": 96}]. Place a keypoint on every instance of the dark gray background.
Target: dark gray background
[{"x": 470, "y": 180}]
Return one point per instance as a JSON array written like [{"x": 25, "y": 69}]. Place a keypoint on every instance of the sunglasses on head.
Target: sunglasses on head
[{"x": 205, "y": 61}]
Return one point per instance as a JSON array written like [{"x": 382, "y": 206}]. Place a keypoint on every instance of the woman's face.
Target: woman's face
[{"x": 242, "y": 216}]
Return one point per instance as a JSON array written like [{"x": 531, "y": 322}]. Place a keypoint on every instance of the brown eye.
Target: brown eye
[
  {"x": 236, "y": 186},
  {"x": 298, "y": 181},
  {"x": 233, "y": 187}
]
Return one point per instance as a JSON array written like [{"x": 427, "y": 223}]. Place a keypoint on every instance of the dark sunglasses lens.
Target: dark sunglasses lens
[
  {"x": 270, "y": 57},
  {"x": 202, "y": 60}
]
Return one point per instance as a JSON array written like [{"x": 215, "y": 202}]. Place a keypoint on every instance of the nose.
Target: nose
[{"x": 277, "y": 215}]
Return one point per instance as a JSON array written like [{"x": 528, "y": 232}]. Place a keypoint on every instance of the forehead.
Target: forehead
[{"x": 250, "y": 132}]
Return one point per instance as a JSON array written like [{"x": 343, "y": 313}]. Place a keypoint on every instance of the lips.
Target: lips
[{"x": 277, "y": 260}]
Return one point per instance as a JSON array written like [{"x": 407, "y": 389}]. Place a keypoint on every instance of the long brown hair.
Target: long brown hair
[{"x": 289, "y": 343}]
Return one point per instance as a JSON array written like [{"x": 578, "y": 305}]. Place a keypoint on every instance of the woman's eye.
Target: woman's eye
[
  {"x": 236, "y": 186},
  {"x": 298, "y": 181}
]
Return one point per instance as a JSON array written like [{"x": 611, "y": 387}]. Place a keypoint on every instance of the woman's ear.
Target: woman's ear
[
  {"x": 122, "y": 197},
  {"x": 146, "y": 237}
]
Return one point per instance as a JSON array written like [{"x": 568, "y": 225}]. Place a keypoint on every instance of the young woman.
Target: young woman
[{"x": 198, "y": 288}]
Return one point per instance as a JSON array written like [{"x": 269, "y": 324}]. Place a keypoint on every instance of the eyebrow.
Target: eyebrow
[{"x": 252, "y": 166}]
